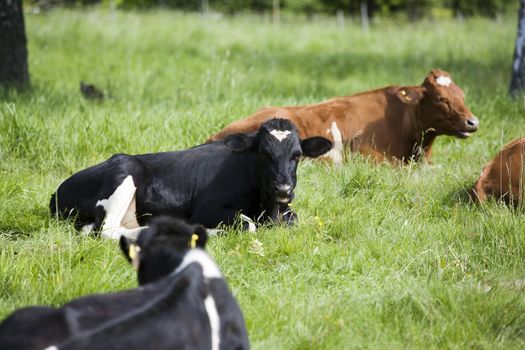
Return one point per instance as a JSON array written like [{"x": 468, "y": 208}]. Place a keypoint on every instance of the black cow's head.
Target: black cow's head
[
  {"x": 278, "y": 150},
  {"x": 160, "y": 248}
]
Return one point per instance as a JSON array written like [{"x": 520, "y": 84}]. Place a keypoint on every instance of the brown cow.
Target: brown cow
[
  {"x": 392, "y": 123},
  {"x": 502, "y": 177}
]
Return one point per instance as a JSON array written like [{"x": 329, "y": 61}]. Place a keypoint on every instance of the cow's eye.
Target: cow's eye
[
  {"x": 266, "y": 155},
  {"x": 441, "y": 100},
  {"x": 296, "y": 156}
]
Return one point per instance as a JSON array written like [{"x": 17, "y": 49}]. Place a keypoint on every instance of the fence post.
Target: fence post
[
  {"x": 364, "y": 15},
  {"x": 517, "y": 83},
  {"x": 276, "y": 11},
  {"x": 340, "y": 15},
  {"x": 205, "y": 7}
]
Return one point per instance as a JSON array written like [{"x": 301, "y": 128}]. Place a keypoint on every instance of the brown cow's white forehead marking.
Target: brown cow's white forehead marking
[
  {"x": 280, "y": 134},
  {"x": 443, "y": 81}
]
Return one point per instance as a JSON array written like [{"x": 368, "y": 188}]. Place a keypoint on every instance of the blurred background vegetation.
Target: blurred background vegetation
[{"x": 407, "y": 9}]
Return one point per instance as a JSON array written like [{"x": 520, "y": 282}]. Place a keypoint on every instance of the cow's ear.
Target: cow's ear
[
  {"x": 125, "y": 244},
  {"x": 131, "y": 251},
  {"x": 409, "y": 95},
  {"x": 241, "y": 142},
  {"x": 199, "y": 237},
  {"x": 315, "y": 146}
]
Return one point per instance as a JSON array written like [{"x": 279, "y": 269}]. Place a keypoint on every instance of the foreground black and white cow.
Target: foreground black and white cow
[
  {"x": 183, "y": 303},
  {"x": 253, "y": 174}
]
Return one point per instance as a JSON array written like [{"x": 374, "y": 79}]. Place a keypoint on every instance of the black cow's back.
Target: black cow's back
[
  {"x": 38, "y": 328},
  {"x": 208, "y": 184},
  {"x": 233, "y": 332},
  {"x": 168, "y": 314},
  {"x": 32, "y": 328}
]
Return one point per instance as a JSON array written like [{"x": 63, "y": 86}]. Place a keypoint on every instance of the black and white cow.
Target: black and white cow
[
  {"x": 253, "y": 174},
  {"x": 183, "y": 303}
]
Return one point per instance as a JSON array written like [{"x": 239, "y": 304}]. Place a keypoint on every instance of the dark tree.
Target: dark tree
[
  {"x": 517, "y": 83},
  {"x": 13, "y": 52}
]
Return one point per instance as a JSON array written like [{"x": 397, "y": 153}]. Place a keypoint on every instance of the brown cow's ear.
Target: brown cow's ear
[{"x": 409, "y": 95}]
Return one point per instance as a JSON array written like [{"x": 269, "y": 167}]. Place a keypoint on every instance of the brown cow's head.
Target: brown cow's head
[{"x": 441, "y": 105}]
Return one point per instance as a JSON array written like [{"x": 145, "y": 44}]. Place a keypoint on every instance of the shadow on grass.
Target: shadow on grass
[
  {"x": 460, "y": 194},
  {"x": 22, "y": 224}
]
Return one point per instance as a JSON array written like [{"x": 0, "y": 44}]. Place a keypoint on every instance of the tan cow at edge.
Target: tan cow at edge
[
  {"x": 391, "y": 123},
  {"x": 502, "y": 177}
]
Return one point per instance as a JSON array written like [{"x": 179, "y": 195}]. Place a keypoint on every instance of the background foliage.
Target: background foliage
[{"x": 412, "y": 9}]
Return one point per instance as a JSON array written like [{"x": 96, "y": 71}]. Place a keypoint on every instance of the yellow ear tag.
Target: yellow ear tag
[
  {"x": 194, "y": 239},
  {"x": 134, "y": 255},
  {"x": 132, "y": 251},
  {"x": 403, "y": 92}
]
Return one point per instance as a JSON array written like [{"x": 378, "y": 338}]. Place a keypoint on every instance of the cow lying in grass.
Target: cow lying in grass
[
  {"x": 183, "y": 303},
  {"x": 393, "y": 123},
  {"x": 503, "y": 177},
  {"x": 253, "y": 174}
]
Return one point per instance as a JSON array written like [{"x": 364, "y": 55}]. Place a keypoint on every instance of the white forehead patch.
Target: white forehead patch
[
  {"x": 280, "y": 134},
  {"x": 444, "y": 81}
]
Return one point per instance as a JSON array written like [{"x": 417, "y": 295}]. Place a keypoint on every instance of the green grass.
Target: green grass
[{"x": 396, "y": 258}]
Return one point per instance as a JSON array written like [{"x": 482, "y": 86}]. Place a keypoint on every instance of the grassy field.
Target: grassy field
[{"x": 383, "y": 257}]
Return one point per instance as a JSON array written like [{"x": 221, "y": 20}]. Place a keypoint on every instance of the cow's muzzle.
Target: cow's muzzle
[
  {"x": 471, "y": 125},
  {"x": 283, "y": 193}
]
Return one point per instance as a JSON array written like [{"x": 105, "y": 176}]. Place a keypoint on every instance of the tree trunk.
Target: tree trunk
[
  {"x": 517, "y": 83},
  {"x": 13, "y": 52}
]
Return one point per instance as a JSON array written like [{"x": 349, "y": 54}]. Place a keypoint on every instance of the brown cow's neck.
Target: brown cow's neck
[{"x": 419, "y": 139}]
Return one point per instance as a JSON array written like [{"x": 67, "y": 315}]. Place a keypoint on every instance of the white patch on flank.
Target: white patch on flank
[
  {"x": 280, "y": 134},
  {"x": 120, "y": 210},
  {"x": 336, "y": 153},
  {"x": 443, "y": 81},
  {"x": 209, "y": 268},
  {"x": 52, "y": 347},
  {"x": 215, "y": 322}
]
